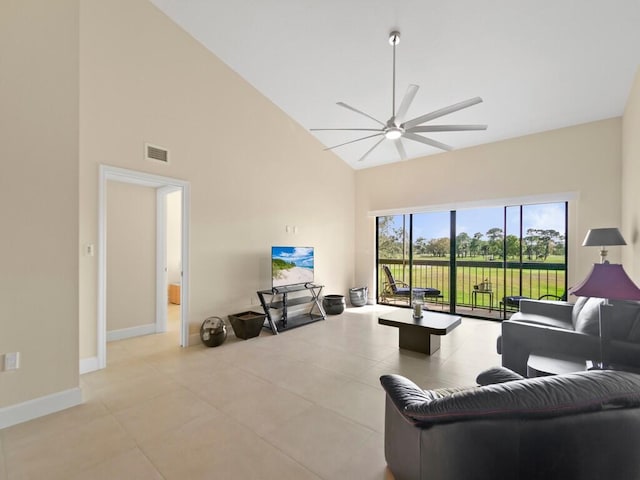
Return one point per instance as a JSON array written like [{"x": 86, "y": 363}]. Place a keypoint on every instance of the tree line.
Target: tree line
[{"x": 537, "y": 244}]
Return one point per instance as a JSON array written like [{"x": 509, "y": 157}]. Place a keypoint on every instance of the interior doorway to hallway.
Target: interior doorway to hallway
[
  {"x": 165, "y": 187},
  {"x": 173, "y": 255}
]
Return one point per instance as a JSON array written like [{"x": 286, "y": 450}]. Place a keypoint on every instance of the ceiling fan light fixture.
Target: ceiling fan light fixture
[{"x": 393, "y": 133}]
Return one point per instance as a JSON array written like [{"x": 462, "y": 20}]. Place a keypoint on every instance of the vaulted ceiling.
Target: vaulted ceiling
[{"x": 538, "y": 65}]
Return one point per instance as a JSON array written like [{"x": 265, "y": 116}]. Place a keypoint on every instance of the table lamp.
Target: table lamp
[
  {"x": 603, "y": 237},
  {"x": 610, "y": 282}
]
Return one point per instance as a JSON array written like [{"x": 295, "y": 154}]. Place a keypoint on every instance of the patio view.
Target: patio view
[{"x": 475, "y": 258}]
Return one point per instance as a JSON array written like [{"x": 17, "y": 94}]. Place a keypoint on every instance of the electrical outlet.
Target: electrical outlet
[{"x": 11, "y": 361}]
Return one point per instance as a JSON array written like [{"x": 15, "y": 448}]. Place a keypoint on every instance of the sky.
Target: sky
[
  {"x": 436, "y": 224},
  {"x": 301, "y": 256}
]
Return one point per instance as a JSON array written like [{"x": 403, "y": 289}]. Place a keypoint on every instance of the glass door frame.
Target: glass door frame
[{"x": 453, "y": 269}]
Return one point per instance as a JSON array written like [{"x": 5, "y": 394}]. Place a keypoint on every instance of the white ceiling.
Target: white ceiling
[{"x": 537, "y": 64}]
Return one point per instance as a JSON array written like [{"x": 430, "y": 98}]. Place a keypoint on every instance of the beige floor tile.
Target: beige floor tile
[
  {"x": 251, "y": 351},
  {"x": 67, "y": 453},
  {"x": 469, "y": 367},
  {"x": 181, "y": 361},
  {"x": 411, "y": 364},
  {"x": 58, "y": 424},
  {"x": 361, "y": 403},
  {"x": 266, "y": 408},
  {"x": 131, "y": 464},
  {"x": 299, "y": 350},
  {"x": 116, "y": 353},
  {"x": 309, "y": 381},
  {"x": 145, "y": 344},
  {"x": 3, "y": 470},
  {"x": 272, "y": 370},
  {"x": 372, "y": 376},
  {"x": 321, "y": 440},
  {"x": 368, "y": 462},
  {"x": 344, "y": 363},
  {"x": 163, "y": 413},
  {"x": 223, "y": 386},
  {"x": 127, "y": 393},
  {"x": 220, "y": 448},
  {"x": 129, "y": 370}
]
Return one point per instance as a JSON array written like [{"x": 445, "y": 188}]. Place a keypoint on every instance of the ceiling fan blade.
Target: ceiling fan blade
[
  {"x": 441, "y": 112},
  {"x": 347, "y": 129},
  {"x": 349, "y": 107},
  {"x": 356, "y": 140},
  {"x": 401, "y": 150},
  {"x": 427, "y": 141},
  {"x": 371, "y": 150},
  {"x": 446, "y": 128},
  {"x": 406, "y": 103}
]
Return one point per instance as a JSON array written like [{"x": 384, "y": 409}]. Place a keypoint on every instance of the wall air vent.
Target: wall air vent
[{"x": 154, "y": 152}]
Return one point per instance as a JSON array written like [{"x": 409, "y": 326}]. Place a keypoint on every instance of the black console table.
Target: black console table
[{"x": 278, "y": 298}]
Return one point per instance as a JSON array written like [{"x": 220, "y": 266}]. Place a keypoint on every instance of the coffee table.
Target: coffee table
[
  {"x": 423, "y": 334},
  {"x": 541, "y": 364}
]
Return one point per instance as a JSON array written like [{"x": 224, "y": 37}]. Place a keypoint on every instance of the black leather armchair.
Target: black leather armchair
[{"x": 578, "y": 426}]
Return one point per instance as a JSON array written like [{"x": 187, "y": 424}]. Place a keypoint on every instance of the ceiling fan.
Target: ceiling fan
[{"x": 395, "y": 129}]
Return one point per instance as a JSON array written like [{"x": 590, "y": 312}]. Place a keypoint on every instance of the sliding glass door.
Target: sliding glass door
[
  {"x": 477, "y": 261},
  {"x": 431, "y": 247}
]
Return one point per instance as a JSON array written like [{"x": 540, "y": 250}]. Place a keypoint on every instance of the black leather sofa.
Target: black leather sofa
[
  {"x": 570, "y": 329},
  {"x": 578, "y": 426}
]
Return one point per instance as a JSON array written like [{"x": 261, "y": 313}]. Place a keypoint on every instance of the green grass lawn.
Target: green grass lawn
[{"x": 534, "y": 282}]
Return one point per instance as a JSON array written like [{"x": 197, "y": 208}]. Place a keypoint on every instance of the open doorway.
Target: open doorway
[
  {"x": 169, "y": 202},
  {"x": 164, "y": 187}
]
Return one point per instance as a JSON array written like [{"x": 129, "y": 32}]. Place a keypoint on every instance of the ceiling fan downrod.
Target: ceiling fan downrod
[{"x": 394, "y": 39}]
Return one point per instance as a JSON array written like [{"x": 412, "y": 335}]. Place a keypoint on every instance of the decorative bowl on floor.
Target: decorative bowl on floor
[
  {"x": 213, "y": 332},
  {"x": 333, "y": 304}
]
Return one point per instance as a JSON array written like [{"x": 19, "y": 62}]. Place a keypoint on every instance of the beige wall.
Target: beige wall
[
  {"x": 630, "y": 181},
  {"x": 39, "y": 196},
  {"x": 252, "y": 169},
  {"x": 131, "y": 255},
  {"x": 584, "y": 160}
]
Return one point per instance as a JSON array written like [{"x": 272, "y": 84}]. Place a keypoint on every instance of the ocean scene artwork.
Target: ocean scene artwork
[{"x": 291, "y": 265}]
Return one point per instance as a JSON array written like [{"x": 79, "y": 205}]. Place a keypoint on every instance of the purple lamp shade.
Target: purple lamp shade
[{"x": 607, "y": 280}]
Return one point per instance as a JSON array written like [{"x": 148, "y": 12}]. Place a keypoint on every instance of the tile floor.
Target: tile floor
[{"x": 306, "y": 404}]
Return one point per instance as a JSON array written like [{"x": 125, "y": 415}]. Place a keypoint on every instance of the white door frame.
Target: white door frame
[{"x": 164, "y": 186}]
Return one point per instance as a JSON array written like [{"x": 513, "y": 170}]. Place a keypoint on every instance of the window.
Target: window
[{"x": 474, "y": 258}]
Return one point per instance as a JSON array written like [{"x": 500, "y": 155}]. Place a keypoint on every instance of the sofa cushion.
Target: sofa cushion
[
  {"x": 540, "y": 320},
  {"x": 626, "y": 321},
  {"x": 577, "y": 307},
  {"x": 497, "y": 375},
  {"x": 588, "y": 318},
  {"x": 542, "y": 397}
]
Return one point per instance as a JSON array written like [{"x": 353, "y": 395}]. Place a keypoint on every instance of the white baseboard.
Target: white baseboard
[
  {"x": 38, "y": 407},
  {"x": 123, "y": 333},
  {"x": 90, "y": 364}
]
